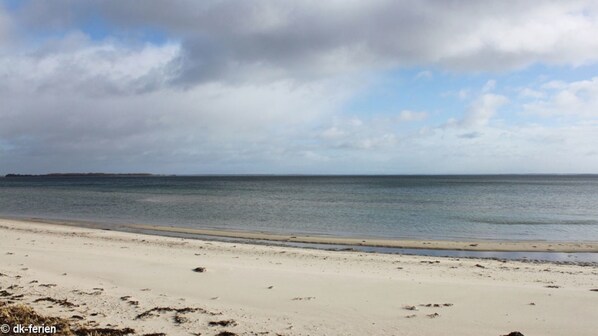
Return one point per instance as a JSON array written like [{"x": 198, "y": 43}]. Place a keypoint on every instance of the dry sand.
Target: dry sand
[{"x": 110, "y": 278}]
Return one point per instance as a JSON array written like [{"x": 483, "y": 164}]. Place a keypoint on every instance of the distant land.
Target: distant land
[{"x": 79, "y": 175}]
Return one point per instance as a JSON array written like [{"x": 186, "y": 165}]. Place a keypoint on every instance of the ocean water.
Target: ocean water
[{"x": 522, "y": 207}]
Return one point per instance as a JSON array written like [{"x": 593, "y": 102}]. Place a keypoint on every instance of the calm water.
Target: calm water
[{"x": 426, "y": 207}]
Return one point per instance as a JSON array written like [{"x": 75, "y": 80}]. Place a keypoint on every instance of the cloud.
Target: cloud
[
  {"x": 238, "y": 41},
  {"x": 470, "y": 135},
  {"x": 493, "y": 148},
  {"x": 480, "y": 111},
  {"x": 73, "y": 105},
  {"x": 5, "y": 27},
  {"x": 424, "y": 75},
  {"x": 74, "y": 64},
  {"x": 531, "y": 93},
  {"x": 577, "y": 99},
  {"x": 489, "y": 86},
  {"x": 407, "y": 115},
  {"x": 240, "y": 87}
]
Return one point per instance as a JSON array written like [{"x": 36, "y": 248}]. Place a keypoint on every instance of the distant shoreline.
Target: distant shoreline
[
  {"x": 81, "y": 175},
  {"x": 12, "y": 175}
]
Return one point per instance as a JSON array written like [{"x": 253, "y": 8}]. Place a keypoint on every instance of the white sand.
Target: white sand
[{"x": 313, "y": 293}]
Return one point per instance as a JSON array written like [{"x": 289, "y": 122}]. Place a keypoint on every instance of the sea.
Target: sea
[{"x": 471, "y": 207}]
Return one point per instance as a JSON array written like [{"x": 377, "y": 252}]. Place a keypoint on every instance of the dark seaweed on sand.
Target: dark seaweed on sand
[
  {"x": 223, "y": 323},
  {"x": 63, "y": 302},
  {"x": 21, "y": 314}
]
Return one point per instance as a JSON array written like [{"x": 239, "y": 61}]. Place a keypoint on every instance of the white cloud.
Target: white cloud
[
  {"x": 489, "y": 86},
  {"x": 333, "y": 133},
  {"x": 531, "y": 93},
  {"x": 424, "y": 75},
  {"x": 560, "y": 99},
  {"x": 407, "y": 115},
  {"x": 374, "y": 133},
  {"x": 482, "y": 110},
  {"x": 463, "y": 94},
  {"x": 529, "y": 148},
  {"x": 74, "y": 64}
]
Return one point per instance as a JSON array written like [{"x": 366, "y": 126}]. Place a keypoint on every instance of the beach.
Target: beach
[{"x": 175, "y": 286}]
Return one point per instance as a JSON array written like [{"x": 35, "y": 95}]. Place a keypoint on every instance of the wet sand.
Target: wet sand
[
  {"x": 181, "y": 286},
  {"x": 479, "y": 245}
]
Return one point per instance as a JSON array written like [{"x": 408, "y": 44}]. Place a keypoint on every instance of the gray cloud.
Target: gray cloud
[
  {"x": 239, "y": 40},
  {"x": 470, "y": 135}
]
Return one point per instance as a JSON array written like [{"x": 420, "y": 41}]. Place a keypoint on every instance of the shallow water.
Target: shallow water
[
  {"x": 547, "y": 207},
  {"x": 564, "y": 257}
]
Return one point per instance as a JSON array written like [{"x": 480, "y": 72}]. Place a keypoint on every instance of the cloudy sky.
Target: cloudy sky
[{"x": 303, "y": 86}]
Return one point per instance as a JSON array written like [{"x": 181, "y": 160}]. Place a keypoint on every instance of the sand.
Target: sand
[{"x": 110, "y": 279}]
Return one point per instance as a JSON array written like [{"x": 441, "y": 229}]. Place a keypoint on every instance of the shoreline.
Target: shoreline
[
  {"x": 479, "y": 245},
  {"x": 110, "y": 279},
  {"x": 473, "y": 245}
]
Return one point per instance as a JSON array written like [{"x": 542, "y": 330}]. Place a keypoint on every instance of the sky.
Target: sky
[{"x": 299, "y": 87}]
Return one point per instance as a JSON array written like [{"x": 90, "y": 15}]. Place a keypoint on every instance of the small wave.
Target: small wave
[{"x": 532, "y": 221}]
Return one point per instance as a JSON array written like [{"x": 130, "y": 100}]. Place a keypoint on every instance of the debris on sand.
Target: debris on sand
[
  {"x": 552, "y": 286},
  {"x": 128, "y": 300},
  {"x": 157, "y": 310},
  {"x": 104, "y": 332},
  {"x": 409, "y": 308},
  {"x": 80, "y": 292},
  {"x": 5, "y": 293},
  {"x": 21, "y": 314},
  {"x": 480, "y": 266},
  {"x": 180, "y": 319},
  {"x": 63, "y": 303},
  {"x": 436, "y": 305},
  {"x": 47, "y": 285},
  {"x": 594, "y": 290},
  {"x": 435, "y": 315},
  {"x": 223, "y": 323},
  {"x": 514, "y": 333},
  {"x": 226, "y": 333},
  {"x": 199, "y": 269},
  {"x": 411, "y": 316},
  {"x": 307, "y": 298}
]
